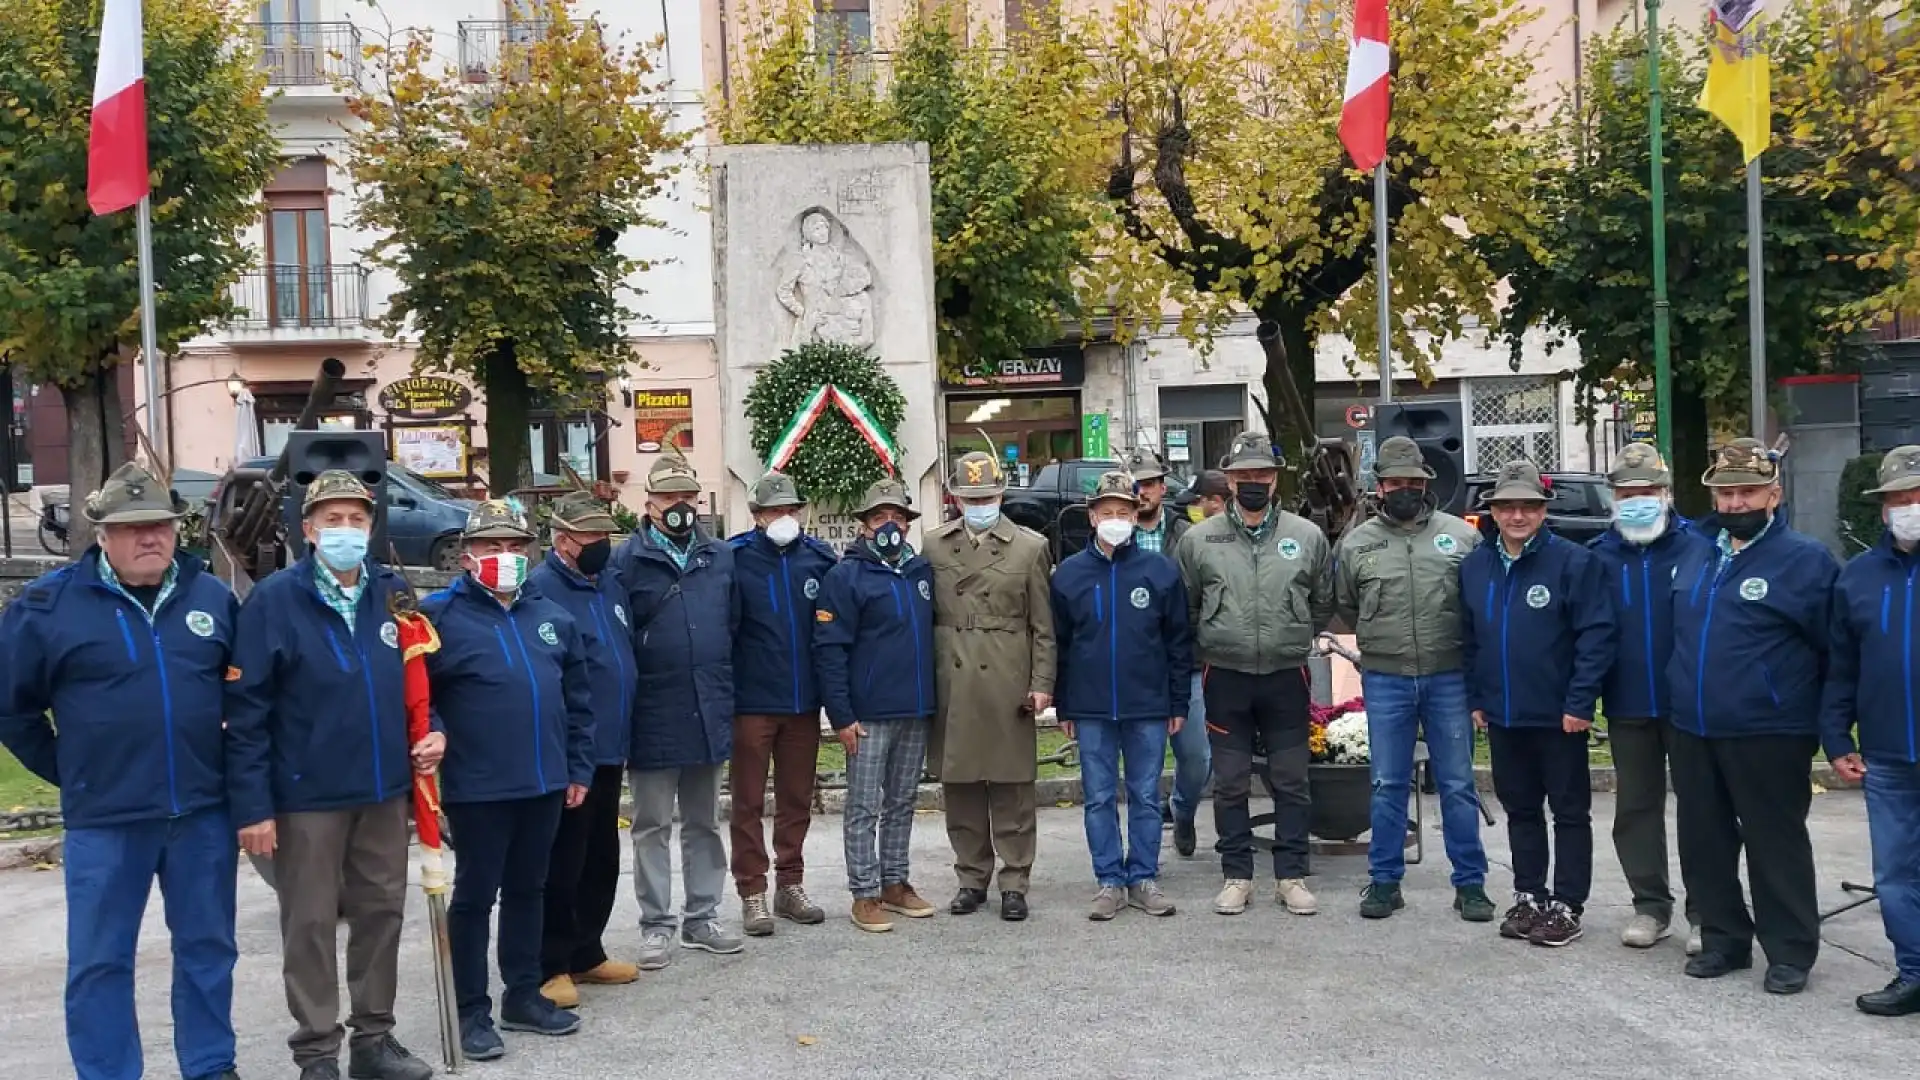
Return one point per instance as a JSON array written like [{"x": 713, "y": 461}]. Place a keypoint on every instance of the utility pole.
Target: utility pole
[{"x": 1662, "y": 343}]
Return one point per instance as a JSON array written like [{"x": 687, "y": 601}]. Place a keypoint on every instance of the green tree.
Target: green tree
[
  {"x": 1236, "y": 194},
  {"x": 69, "y": 280},
  {"x": 500, "y": 207},
  {"x": 1591, "y": 274},
  {"x": 1014, "y": 135}
]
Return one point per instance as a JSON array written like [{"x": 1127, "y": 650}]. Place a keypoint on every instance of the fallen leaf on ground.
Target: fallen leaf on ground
[{"x": 809, "y": 1040}]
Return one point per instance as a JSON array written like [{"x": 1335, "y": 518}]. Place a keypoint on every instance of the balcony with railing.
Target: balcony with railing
[
  {"x": 309, "y": 58},
  {"x": 485, "y": 45},
  {"x": 291, "y": 302}
]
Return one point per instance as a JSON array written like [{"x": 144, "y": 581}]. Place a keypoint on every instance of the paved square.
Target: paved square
[{"x": 1264, "y": 994}]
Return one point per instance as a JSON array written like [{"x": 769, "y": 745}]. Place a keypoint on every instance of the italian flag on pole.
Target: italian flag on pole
[
  {"x": 1363, "y": 118},
  {"x": 117, "y": 138}
]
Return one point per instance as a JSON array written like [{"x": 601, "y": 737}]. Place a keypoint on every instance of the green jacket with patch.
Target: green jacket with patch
[
  {"x": 1398, "y": 586},
  {"x": 1256, "y": 605}
]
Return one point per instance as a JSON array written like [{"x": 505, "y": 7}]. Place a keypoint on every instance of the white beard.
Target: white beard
[{"x": 1642, "y": 535}]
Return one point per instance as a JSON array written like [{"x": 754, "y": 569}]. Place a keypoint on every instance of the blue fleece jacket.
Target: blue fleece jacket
[
  {"x": 776, "y": 590},
  {"x": 316, "y": 711},
  {"x": 1640, "y": 580},
  {"x": 1537, "y": 636},
  {"x": 1872, "y": 675},
  {"x": 136, "y": 700},
  {"x": 1750, "y": 635},
  {"x": 873, "y": 639},
  {"x": 1121, "y": 634},
  {"x": 511, "y": 689},
  {"x": 599, "y": 610}
]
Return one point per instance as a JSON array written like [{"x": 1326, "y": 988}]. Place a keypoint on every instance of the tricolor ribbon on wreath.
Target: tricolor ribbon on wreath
[{"x": 809, "y": 413}]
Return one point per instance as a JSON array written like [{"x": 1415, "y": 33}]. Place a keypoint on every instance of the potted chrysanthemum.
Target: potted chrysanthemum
[{"x": 1340, "y": 779}]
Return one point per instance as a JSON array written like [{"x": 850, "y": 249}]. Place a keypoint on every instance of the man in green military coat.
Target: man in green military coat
[{"x": 993, "y": 673}]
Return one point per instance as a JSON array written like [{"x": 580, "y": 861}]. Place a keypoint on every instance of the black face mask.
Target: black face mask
[
  {"x": 677, "y": 520},
  {"x": 1403, "y": 504},
  {"x": 1252, "y": 496},
  {"x": 1744, "y": 525},
  {"x": 890, "y": 542},
  {"x": 593, "y": 557}
]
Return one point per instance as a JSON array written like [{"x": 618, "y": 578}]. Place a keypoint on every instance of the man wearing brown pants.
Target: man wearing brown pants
[
  {"x": 319, "y": 772},
  {"x": 776, "y": 583}
]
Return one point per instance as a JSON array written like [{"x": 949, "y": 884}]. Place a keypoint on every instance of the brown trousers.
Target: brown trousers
[
  {"x": 791, "y": 744},
  {"x": 334, "y": 864},
  {"x": 988, "y": 819}
]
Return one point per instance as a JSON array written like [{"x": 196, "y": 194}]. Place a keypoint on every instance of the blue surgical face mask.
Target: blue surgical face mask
[
  {"x": 1640, "y": 512},
  {"x": 981, "y": 517},
  {"x": 342, "y": 547}
]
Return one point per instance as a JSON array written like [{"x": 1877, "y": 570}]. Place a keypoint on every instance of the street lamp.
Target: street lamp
[{"x": 236, "y": 386}]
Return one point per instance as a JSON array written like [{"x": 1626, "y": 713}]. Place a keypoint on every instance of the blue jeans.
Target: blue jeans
[
  {"x": 1893, "y": 821},
  {"x": 1192, "y": 757},
  {"x": 109, "y": 875},
  {"x": 1398, "y": 707},
  {"x": 1141, "y": 745}
]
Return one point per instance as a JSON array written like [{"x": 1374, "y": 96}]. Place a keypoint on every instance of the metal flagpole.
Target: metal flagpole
[
  {"x": 1662, "y": 359},
  {"x": 1756, "y": 303},
  {"x": 149, "y": 334},
  {"x": 1380, "y": 261}
]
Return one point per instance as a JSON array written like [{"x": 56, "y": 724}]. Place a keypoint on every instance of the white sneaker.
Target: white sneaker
[
  {"x": 1693, "y": 940},
  {"x": 1644, "y": 932},
  {"x": 1233, "y": 896},
  {"x": 653, "y": 949},
  {"x": 1292, "y": 893}
]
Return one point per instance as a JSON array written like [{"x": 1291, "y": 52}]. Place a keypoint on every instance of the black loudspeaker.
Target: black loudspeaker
[
  {"x": 310, "y": 453},
  {"x": 1436, "y": 427}
]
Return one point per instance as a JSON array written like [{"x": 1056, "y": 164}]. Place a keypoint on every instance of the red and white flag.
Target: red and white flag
[
  {"x": 117, "y": 140},
  {"x": 1363, "y": 119}
]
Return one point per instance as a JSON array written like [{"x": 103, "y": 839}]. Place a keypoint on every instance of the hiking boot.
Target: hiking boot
[
  {"x": 655, "y": 945},
  {"x": 1644, "y": 931},
  {"x": 1013, "y": 906},
  {"x": 1693, "y": 939},
  {"x": 1559, "y": 925},
  {"x": 1380, "y": 899},
  {"x": 538, "y": 1017},
  {"x": 902, "y": 900},
  {"x": 1233, "y": 896},
  {"x": 967, "y": 901},
  {"x": 607, "y": 973},
  {"x": 1184, "y": 838},
  {"x": 1712, "y": 965},
  {"x": 1292, "y": 894},
  {"x": 561, "y": 991},
  {"x": 755, "y": 919},
  {"x": 383, "y": 1059},
  {"x": 324, "y": 1069},
  {"x": 1473, "y": 904},
  {"x": 1901, "y": 997},
  {"x": 706, "y": 934},
  {"x": 1784, "y": 979},
  {"x": 790, "y": 902},
  {"x": 1108, "y": 902},
  {"x": 1520, "y": 918},
  {"x": 478, "y": 1040},
  {"x": 868, "y": 915},
  {"x": 1146, "y": 896}
]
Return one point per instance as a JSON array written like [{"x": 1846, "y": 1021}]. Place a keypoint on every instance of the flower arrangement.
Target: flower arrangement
[{"x": 1337, "y": 734}]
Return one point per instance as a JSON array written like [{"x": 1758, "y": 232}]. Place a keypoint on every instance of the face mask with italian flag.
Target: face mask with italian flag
[{"x": 502, "y": 573}]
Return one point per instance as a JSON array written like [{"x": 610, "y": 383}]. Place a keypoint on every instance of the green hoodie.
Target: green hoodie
[{"x": 1398, "y": 586}]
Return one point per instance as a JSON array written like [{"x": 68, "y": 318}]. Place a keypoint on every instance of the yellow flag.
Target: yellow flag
[{"x": 1738, "y": 78}]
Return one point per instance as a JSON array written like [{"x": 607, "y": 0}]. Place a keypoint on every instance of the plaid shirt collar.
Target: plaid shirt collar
[
  {"x": 112, "y": 581},
  {"x": 674, "y": 551},
  {"x": 1532, "y": 545},
  {"x": 344, "y": 599},
  {"x": 1724, "y": 542},
  {"x": 1259, "y": 532},
  {"x": 1153, "y": 539}
]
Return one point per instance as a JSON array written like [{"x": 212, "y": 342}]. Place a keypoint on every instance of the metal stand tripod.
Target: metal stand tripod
[{"x": 1866, "y": 895}]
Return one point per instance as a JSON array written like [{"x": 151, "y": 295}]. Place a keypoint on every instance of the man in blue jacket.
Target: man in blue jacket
[
  {"x": 1750, "y": 625},
  {"x": 1872, "y": 682},
  {"x": 1538, "y": 638},
  {"x": 1125, "y": 668},
  {"x": 111, "y": 673},
  {"x": 584, "y": 875},
  {"x": 321, "y": 771},
  {"x": 776, "y": 704},
  {"x": 873, "y": 646},
  {"x": 512, "y": 691},
  {"x": 1639, "y": 555},
  {"x": 679, "y": 583}
]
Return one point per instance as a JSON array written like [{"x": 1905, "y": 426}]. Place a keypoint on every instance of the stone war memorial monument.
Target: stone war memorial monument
[{"x": 826, "y": 244}]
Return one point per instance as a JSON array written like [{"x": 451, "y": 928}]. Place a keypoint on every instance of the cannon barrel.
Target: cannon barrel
[
  {"x": 247, "y": 530},
  {"x": 1330, "y": 494}
]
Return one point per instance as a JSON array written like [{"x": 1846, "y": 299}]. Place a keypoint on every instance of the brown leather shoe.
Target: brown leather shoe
[
  {"x": 608, "y": 973},
  {"x": 902, "y": 900},
  {"x": 868, "y": 915},
  {"x": 561, "y": 992}
]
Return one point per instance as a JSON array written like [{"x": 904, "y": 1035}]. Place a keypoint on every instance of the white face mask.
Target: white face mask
[
  {"x": 1905, "y": 523},
  {"x": 1115, "y": 531},
  {"x": 784, "y": 529}
]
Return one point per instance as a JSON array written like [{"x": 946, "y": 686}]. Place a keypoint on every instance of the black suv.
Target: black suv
[{"x": 1581, "y": 507}]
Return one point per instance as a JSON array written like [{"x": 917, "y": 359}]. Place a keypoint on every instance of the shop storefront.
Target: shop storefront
[
  {"x": 1198, "y": 425},
  {"x": 1028, "y": 412}
]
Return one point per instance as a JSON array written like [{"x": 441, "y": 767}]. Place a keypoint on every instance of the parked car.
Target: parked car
[
  {"x": 423, "y": 519},
  {"x": 1581, "y": 507},
  {"x": 195, "y": 486}
]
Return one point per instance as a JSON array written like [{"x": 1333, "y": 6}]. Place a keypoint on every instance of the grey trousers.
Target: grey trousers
[
  {"x": 1640, "y": 749},
  {"x": 703, "y": 853},
  {"x": 332, "y": 863},
  {"x": 883, "y": 777}
]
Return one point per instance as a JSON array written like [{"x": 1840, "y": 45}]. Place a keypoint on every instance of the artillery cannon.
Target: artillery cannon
[
  {"x": 1328, "y": 491},
  {"x": 246, "y": 532}
]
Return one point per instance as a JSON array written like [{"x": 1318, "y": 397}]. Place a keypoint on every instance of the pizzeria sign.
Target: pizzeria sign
[{"x": 425, "y": 397}]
